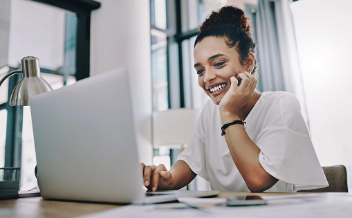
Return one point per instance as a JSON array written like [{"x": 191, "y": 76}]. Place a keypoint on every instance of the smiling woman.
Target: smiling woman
[
  {"x": 213, "y": 56},
  {"x": 269, "y": 150}
]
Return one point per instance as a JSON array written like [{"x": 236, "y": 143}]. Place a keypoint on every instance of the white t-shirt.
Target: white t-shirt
[{"x": 276, "y": 126}]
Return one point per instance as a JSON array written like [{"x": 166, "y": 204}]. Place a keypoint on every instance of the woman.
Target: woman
[{"x": 244, "y": 140}]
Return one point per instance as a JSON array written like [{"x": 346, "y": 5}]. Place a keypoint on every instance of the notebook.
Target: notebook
[{"x": 86, "y": 145}]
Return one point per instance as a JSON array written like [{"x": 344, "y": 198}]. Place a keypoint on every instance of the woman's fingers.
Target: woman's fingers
[
  {"x": 147, "y": 173},
  {"x": 252, "y": 82},
  {"x": 248, "y": 82},
  {"x": 244, "y": 80},
  {"x": 156, "y": 176},
  {"x": 152, "y": 174},
  {"x": 165, "y": 174},
  {"x": 234, "y": 83}
]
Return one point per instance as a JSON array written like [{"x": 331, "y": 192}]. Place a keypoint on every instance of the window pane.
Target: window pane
[
  {"x": 213, "y": 5},
  {"x": 50, "y": 35},
  {"x": 28, "y": 179},
  {"x": 159, "y": 71},
  {"x": 194, "y": 12},
  {"x": 3, "y": 120},
  {"x": 29, "y": 162},
  {"x": 198, "y": 95},
  {"x": 69, "y": 67},
  {"x": 162, "y": 156},
  {"x": 158, "y": 13},
  {"x": 194, "y": 95},
  {"x": 43, "y": 27}
]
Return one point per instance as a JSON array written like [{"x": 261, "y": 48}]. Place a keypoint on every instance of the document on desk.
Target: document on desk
[{"x": 320, "y": 206}]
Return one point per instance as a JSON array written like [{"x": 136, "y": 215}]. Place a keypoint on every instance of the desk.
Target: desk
[{"x": 38, "y": 208}]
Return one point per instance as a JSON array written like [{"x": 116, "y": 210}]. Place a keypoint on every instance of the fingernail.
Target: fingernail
[
  {"x": 146, "y": 183},
  {"x": 154, "y": 189}
]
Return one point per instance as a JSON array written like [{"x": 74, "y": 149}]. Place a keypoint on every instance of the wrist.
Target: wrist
[
  {"x": 227, "y": 117},
  {"x": 234, "y": 122},
  {"x": 171, "y": 183}
]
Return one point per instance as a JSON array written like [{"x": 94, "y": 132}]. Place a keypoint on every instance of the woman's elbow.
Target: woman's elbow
[{"x": 261, "y": 184}]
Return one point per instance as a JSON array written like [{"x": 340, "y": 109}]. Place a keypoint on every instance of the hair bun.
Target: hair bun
[{"x": 227, "y": 14}]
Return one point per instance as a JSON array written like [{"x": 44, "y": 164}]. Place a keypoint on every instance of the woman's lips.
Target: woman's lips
[{"x": 217, "y": 90}]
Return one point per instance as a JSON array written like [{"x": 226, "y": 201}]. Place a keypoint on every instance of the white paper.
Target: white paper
[{"x": 328, "y": 205}]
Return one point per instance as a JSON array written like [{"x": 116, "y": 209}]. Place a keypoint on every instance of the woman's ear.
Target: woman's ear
[{"x": 250, "y": 62}]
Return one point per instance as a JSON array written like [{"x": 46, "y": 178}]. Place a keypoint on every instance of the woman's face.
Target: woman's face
[{"x": 215, "y": 63}]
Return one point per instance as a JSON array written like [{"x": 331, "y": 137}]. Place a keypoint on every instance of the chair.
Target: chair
[{"x": 337, "y": 178}]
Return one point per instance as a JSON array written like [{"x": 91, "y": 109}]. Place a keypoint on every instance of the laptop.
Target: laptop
[{"x": 86, "y": 145}]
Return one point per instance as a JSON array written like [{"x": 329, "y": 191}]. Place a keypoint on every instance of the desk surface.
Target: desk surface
[{"x": 37, "y": 207}]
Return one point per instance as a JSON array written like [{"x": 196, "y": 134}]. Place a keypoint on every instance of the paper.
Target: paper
[
  {"x": 324, "y": 205},
  {"x": 202, "y": 202}
]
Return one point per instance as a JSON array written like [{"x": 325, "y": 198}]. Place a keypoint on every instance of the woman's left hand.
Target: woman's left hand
[{"x": 238, "y": 96}]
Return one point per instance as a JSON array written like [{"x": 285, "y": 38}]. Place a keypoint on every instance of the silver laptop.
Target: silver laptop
[{"x": 85, "y": 143}]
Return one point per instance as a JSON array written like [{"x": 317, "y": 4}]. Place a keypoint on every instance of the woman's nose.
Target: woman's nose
[{"x": 209, "y": 75}]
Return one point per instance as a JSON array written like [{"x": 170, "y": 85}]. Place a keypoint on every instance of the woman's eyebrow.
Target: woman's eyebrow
[
  {"x": 196, "y": 65},
  {"x": 215, "y": 56},
  {"x": 210, "y": 59}
]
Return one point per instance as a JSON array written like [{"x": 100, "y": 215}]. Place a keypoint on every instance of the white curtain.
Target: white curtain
[{"x": 277, "y": 55}]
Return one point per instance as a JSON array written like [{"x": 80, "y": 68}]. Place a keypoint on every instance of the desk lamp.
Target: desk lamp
[
  {"x": 31, "y": 83},
  {"x": 174, "y": 126}
]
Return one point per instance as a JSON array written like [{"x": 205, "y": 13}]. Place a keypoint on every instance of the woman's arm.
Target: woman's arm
[
  {"x": 158, "y": 178},
  {"x": 245, "y": 154},
  {"x": 236, "y": 105}
]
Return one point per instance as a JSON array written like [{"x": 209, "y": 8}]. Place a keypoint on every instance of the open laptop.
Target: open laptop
[{"x": 86, "y": 146}]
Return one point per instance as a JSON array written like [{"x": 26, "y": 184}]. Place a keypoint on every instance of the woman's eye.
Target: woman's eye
[
  {"x": 200, "y": 72},
  {"x": 219, "y": 64}
]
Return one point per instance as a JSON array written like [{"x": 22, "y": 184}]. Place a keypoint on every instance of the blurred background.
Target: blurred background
[{"x": 303, "y": 47}]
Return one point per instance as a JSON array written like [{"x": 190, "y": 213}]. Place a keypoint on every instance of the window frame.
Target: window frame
[
  {"x": 82, "y": 9},
  {"x": 175, "y": 64}
]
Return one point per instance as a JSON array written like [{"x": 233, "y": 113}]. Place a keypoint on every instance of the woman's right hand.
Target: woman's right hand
[{"x": 157, "y": 177}]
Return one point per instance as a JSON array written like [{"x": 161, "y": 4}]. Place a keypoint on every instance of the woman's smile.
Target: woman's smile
[{"x": 217, "y": 89}]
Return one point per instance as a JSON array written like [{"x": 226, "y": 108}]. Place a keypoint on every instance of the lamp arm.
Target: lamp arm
[{"x": 10, "y": 74}]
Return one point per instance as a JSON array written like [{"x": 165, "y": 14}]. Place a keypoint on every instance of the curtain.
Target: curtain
[{"x": 277, "y": 54}]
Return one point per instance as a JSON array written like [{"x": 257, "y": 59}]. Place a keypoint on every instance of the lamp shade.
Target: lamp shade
[
  {"x": 31, "y": 83},
  {"x": 174, "y": 126}
]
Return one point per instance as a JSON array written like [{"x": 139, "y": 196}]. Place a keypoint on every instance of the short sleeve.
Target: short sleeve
[
  {"x": 286, "y": 150},
  {"x": 194, "y": 153}
]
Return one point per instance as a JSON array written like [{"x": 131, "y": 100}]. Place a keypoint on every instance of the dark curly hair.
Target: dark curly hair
[{"x": 231, "y": 23}]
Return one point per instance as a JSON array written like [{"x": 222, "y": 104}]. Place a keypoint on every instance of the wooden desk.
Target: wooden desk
[{"x": 37, "y": 207}]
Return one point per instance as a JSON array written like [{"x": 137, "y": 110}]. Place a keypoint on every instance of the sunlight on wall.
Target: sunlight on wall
[{"x": 323, "y": 31}]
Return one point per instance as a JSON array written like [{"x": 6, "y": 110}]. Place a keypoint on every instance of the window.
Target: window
[
  {"x": 3, "y": 115},
  {"x": 3, "y": 120},
  {"x": 159, "y": 70},
  {"x": 174, "y": 27},
  {"x": 159, "y": 64},
  {"x": 52, "y": 35}
]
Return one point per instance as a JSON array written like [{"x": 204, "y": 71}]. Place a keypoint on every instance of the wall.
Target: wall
[
  {"x": 324, "y": 32},
  {"x": 5, "y": 9},
  {"x": 120, "y": 37}
]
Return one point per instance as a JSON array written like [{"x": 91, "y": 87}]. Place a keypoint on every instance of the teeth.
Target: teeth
[{"x": 216, "y": 88}]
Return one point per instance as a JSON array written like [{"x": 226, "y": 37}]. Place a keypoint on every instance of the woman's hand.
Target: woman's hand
[
  {"x": 238, "y": 96},
  {"x": 157, "y": 177}
]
